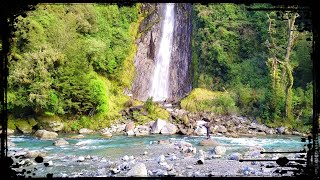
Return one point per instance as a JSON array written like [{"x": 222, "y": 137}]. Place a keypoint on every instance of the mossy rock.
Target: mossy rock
[
  {"x": 50, "y": 122},
  {"x": 23, "y": 126},
  {"x": 11, "y": 124},
  {"x": 32, "y": 122}
]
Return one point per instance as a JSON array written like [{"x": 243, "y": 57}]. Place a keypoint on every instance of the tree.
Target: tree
[{"x": 280, "y": 60}]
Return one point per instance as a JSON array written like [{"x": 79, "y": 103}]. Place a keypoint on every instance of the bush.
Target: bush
[
  {"x": 210, "y": 101},
  {"x": 149, "y": 105}
]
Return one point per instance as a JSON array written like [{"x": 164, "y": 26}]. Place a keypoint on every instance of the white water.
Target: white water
[{"x": 160, "y": 82}]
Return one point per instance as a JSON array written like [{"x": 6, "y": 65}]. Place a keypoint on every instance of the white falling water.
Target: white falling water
[{"x": 160, "y": 82}]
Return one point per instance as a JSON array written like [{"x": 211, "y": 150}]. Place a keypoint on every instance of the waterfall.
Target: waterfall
[{"x": 160, "y": 81}]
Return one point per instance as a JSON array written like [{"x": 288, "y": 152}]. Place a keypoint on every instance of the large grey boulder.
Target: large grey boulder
[
  {"x": 139, "y": 170},
  {"x": 169, "y": 129},
  {"x": 157, "y": 126},
  {"x": 44, "y": 134}
]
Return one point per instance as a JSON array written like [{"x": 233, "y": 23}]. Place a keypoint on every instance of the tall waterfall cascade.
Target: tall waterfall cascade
[{"x": 160, "y": 81}]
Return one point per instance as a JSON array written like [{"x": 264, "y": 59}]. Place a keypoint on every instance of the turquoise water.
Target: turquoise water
[{"x": 121, "y": 145}]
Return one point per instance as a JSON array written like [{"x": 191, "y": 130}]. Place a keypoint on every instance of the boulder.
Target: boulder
[
  {"x": 35, "y": 153},
  {"x": 219, "y": 150},
  {"x": 130, "y": 126},
  {"x": 209, "y": 142},
  {"x": 130, "y": 133},
  {"x": 287, "y": 131},
  {"x": 280, "y": 130},
  {"x": 85, "y": 131},
  {"x": 125, "y": 158},
  {"x": 157, "y": 126},
  {"x": 44, "y": 134},
  {"x": 222, "y": 129},
  {"x": 169, "y": 129},
  {"x": 106, "y": 134},
  {"x": 139, "y": 170},
  {"x": 200, "y": 131},
  {"x": 23, "y": 126},
  {"x": 48, "y": 164},
  {"x": 55, "y": 126},
  {"x": 296, "y": 133},
  {"x": 270, "y": 131},
  {"x": 60, "y": 142},
  {"x": 10, "y": 132},
  {"x": 235, "y": 156},
  {"x": 161, "y": 159},
  {"x": 141, "y": 130},
  {"x": 80, "y": 159}
]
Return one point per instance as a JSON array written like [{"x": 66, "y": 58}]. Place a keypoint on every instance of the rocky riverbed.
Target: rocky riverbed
[
  {"x": 178, "y": 146},
  {"x": 156, "y": 156}
]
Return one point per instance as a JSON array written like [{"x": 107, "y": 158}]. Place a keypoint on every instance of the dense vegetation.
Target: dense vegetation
[
  {"x": 252, "y": 55},
  {"x": 75, "y": 61},
  {"x": 69, "y": 60}
]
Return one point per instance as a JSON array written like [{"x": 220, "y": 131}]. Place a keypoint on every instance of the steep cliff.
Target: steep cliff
[
  {"x": 148, "y": 46},
  {"x": 180, "y": 80},
  {"x": 147, "y": 43}
]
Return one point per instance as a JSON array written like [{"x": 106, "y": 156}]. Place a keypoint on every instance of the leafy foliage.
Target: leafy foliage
[
  {"x": 231, "y": 52},
  {"x": 67, "y": 60}
]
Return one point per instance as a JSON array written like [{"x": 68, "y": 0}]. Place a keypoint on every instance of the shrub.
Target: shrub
[{"x": 210, "y": 101}]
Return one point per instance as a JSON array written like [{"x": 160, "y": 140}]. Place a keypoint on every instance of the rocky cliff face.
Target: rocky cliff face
[
  {"x": 144, "y": 60},
  {"x": 180, "y": 80},
  {"x": 148, "y": 46}
]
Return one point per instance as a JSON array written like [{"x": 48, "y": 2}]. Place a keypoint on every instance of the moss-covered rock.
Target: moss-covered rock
[
  {"x": 11, "y": 124},
  {"x": 23, "y": 126},
  {"x": 32, "y": 122},
  {"x": 50, "y": 122}
]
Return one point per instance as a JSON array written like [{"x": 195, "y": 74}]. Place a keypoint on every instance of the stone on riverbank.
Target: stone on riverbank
[
  {"x": 130, "y": 126},
  {"x": 139, "y": 170},
  {"x": 141, "y": 130},
  {"x": 235, "y": 156},
  {"x": 157, "y": 126},
  {"x": 200, "y": 131},
  {"x": 106, "y": 134},
  {"x": 85, "y": 131},
  {"x": 44, "y": 134},
  {"x": 169, "y": 129}
]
